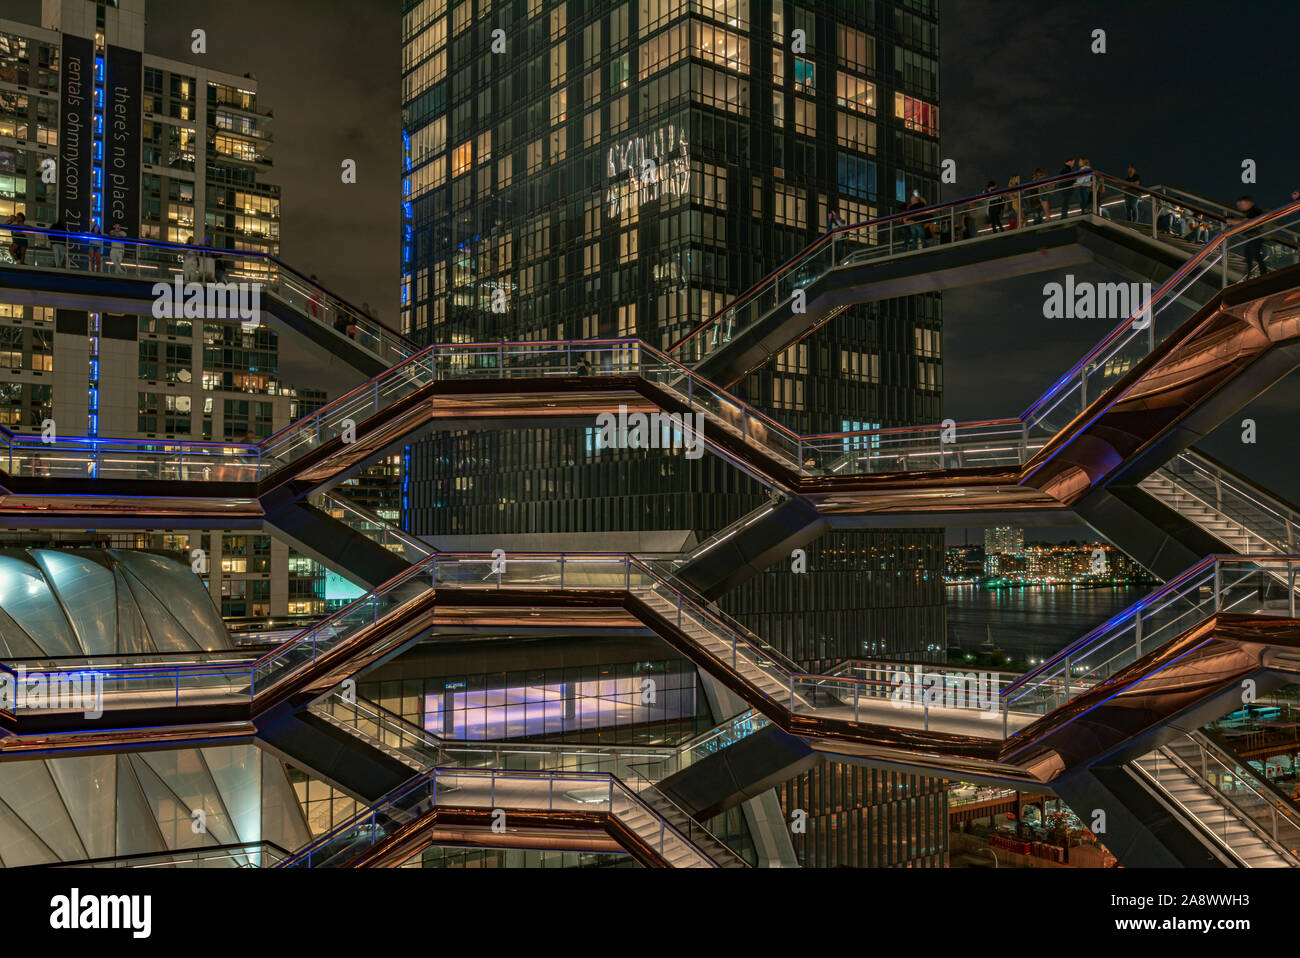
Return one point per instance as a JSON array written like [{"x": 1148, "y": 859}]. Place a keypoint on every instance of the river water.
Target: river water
[{"x": 1031, "y": 622}]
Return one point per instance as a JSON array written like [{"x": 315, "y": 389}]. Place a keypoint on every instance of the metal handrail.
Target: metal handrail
[{"x": 921, "y": 212}]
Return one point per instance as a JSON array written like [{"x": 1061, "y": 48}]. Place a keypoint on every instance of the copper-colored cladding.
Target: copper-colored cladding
[
  {"x": 1215, "y": 654},
  {"x": 39, "y": 731},
  {"x": 1224, "y": 337},
  {"x": 506, "y": 619},
  {"x": 86, "y": 499},
  {"x": 119, "y": 740},
  {"x": 555, "y": 830},
  {"x": 1210, "y": 349}
]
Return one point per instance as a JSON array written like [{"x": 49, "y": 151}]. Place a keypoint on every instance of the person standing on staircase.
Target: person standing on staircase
[
  {"x": 1134, "y": 180},
  {"x": 1254, "y": 247}
]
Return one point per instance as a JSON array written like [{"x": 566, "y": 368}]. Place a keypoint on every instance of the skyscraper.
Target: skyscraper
[
  {"x": 169, "y": 150},
  {"x": 625, "y": 168},
  {"x": 1001, "y": 541}
]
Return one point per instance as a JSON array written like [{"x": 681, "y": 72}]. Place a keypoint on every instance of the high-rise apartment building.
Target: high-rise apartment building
[
  {"x": 625, "y": 168},
  {"x": 95, "y": 132},
  {"x": 1001, "y": 543}
]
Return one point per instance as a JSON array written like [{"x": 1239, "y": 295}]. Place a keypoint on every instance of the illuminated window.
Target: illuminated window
[
  {"x": 721, "y": 46},
  {"x": 930, "y": 378},
  {"x": 618, "y": 115},
  {"x": 787, "y": 393},
  {"x": 805, "y": 116},
  {"x": 656, "y": 13},
  {"x": 790, "y": 206},
  {"x": 559, "y": 65},
  {"x": 863, "y": 367},
  {"x": 855, "y": 93},
  {"x": 661, "y": 51},
  {"x": 627, "y": 246},
  {"x": 734, "y": 13},
  {"x": 709, "y": 185},
  {"x": 793, "y": 359},
  {"x": 860, "y": 442},
  {"x": 855, "y": 49},
  {"x": 805, "y": 76},
  {"x": 462, "y": 158},
  {"x": 916, "y": 114},
  {"x": 855, "y": 132},
  {"x": 627, "y": 320},
  {"x": 591, "y": 46},
  {"x": 618, "y": 20},
  {"x": 460, "y": 15}
]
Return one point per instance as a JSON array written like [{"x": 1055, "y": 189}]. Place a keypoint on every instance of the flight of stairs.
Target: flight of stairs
[
  {"x": 676, "y": 852},
  {"x": 704, "y": 637},
  {"x": 718, "y": 853},
  {"x": 1179, "y": 498},
  {"x": 1197, "y": 797}
]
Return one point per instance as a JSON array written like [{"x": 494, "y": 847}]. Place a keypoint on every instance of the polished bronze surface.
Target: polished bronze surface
[
  {"x": 1211, "y": 349},
  {"x": 556, "y": 830},
  {"x": 41, "y": 745},
  {"x": 1207, "y": 660}
]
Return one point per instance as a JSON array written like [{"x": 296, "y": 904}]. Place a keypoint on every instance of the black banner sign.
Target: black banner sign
[
  {"x": 76, "y": 94},
  {"x": 122, "y": 141}
]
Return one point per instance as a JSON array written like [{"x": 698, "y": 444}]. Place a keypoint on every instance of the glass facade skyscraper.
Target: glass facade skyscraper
[{"x": 625, "y": 168}]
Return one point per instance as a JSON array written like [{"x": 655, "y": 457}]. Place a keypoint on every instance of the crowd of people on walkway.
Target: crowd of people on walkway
[
  {"x": 200, "y": 262},
  {"x": 1075, "y": 189},
  {"x": 106, "y": 255}
]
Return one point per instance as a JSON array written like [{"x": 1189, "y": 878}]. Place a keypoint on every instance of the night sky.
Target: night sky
[{"x": 1186, "y": 91}]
